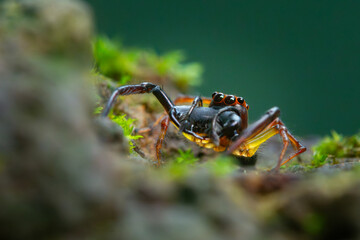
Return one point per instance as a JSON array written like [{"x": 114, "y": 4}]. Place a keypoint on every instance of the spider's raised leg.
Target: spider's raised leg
[
  {"x": 256, "y": 128},
  {"x": 178, "y": 101},
  {"x": 158, "y": 93},
  {"x": 260, "y": 131},
  {"x": 164, "y": 127},
  {"x": 197, "y": 102},
  {"x": 140, "y": 89}
]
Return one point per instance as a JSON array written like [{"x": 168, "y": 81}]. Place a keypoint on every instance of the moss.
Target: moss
[
  {"x": 297, "y": 167},
  {"x": 328, "y": 151},
  {"x": 122, "y": 64},
  {"x": 186, "y": 157},
  {"x": 128, "y": 128},
  {"x": 336, "y": 146},
  {"x": 98, "y": 110},
  {"x": 221, "y": 166},
  {"x": 186, "y": 163},
  {"x": 182, "y": 165},
  {"x": 313, "y": 223}
]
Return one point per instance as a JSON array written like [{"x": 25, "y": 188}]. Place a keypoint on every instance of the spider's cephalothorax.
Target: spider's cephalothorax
[{"x": 222, "y": 125}]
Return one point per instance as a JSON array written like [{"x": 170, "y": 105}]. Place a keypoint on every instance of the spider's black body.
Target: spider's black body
[
  {"x": 201, "y": 121},
  {"x": 223, "y": 125},
  {"x": 194, "y": 120}
]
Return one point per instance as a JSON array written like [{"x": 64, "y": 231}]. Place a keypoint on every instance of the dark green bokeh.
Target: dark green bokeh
[{"x": 302, "y": 56}]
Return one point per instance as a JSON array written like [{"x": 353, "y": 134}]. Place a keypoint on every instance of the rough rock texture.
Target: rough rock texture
[
  {"x": 66, "y": 175},
  {"x": 52, "y": 165}
]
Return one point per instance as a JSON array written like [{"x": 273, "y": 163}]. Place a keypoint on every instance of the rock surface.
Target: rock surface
[{"x": 66, "y": 175}]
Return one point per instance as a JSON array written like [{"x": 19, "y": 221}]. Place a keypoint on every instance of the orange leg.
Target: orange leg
[
  {"x": 286, "y": 136},
  {"x": 255, "y": 128},
  {"x": 298, "y": 147},
  {"x": 149, "y": 129},
  {"x": 268, "y": 126},
  {"x": 189, "y": 100},
  {"x": 164, "y": 126},
  {"x": 276, "y": 127}
]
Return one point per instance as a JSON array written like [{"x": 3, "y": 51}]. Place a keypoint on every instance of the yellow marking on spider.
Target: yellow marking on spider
[{"x": 249, "y": 147}]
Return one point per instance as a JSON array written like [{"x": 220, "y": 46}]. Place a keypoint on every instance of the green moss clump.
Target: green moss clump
[
  {"x": 98, "y": 110},
  {"x": 186, "y": 157},
  {"x": 313, "y": 223},
  {"x": 221, "y": 166},
  {"x": 336, "y": 146},
  {"x": 182, "y": 165},
  {"x": 122, "y": 64},
  {"x": 186, "y": 162},
  {"x": 128, "y": 128}
]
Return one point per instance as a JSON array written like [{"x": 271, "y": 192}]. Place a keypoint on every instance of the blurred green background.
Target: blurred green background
[{"x": 303, "y": 56}]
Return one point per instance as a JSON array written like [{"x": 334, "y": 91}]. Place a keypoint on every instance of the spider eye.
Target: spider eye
[
  {"x": 213, "y": 95},
  {"x": 240, "y": 100},
  {"x": 229, "y": 100},
  {"x": 218, "y": 97}
]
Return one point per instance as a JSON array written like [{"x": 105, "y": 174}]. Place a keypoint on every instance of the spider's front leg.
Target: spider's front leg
[
  {"x": 263, "y": 129},
  {"x": 146, "y": 87},
  {"x": 183, "y": 120},
  {"x": 139, "y": 89},
  {"x": 165, "y": 101},
  {"x": 179, "y": 101}
]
